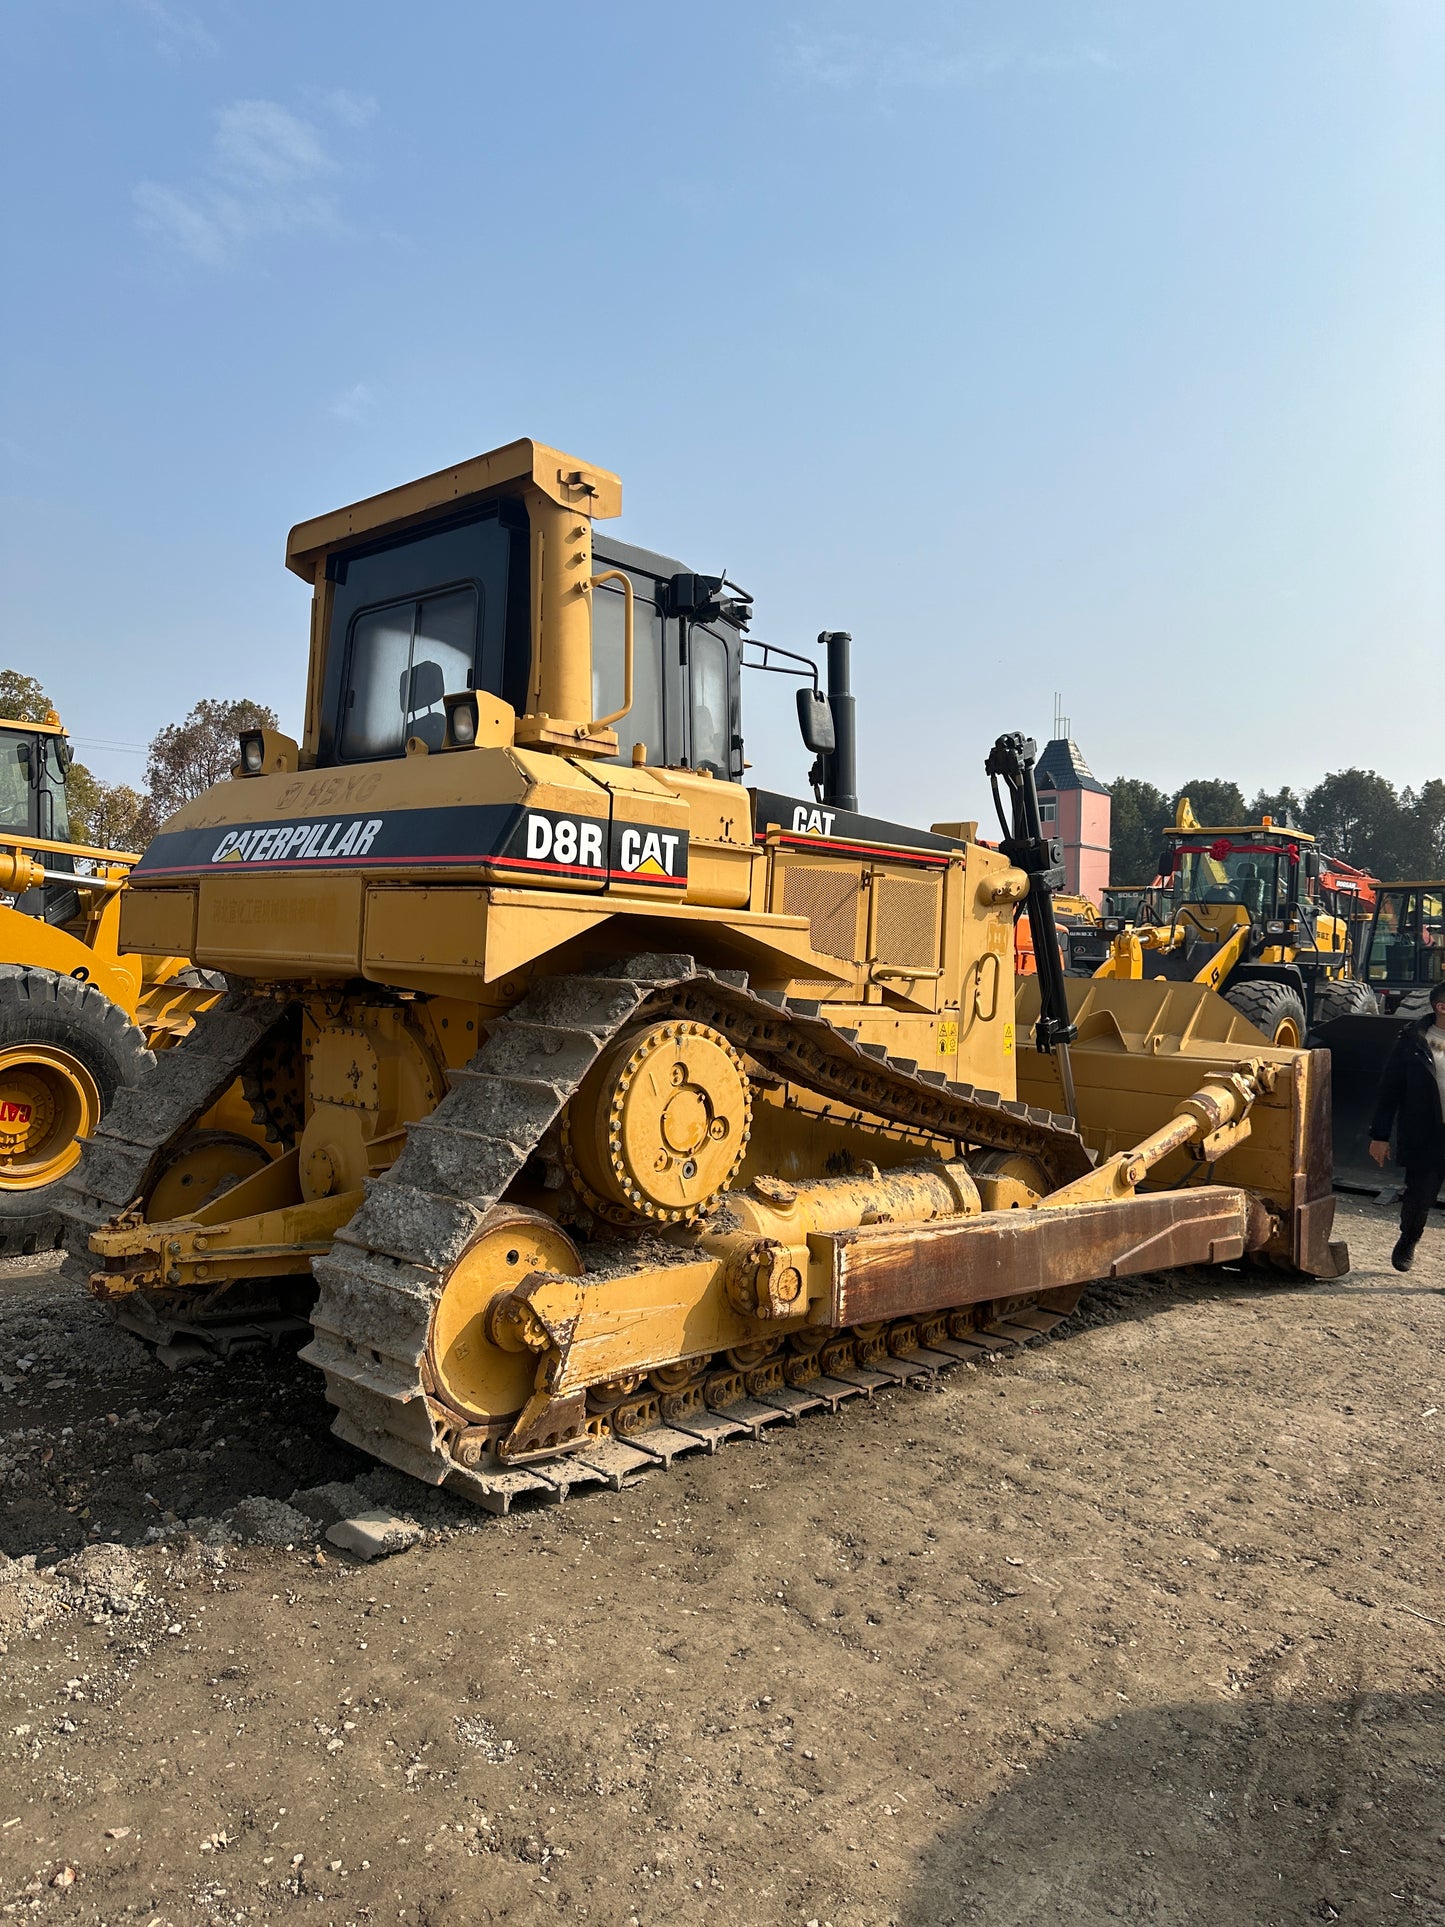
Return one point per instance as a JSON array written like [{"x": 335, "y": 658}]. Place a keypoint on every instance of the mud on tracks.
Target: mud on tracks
[{"x": 1139, "y": 1624}]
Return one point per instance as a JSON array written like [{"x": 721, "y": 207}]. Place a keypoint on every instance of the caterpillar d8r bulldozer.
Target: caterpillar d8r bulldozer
[
  {"x": 79, "y": 1016},
  {"x": 625, "y": 1108}
]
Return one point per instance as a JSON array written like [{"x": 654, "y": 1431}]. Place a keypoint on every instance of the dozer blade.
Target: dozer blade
[{"x": 1142, "y": 1046}]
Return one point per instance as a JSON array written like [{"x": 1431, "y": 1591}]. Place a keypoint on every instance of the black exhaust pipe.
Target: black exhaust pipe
[{"x": 841, "y": 768}]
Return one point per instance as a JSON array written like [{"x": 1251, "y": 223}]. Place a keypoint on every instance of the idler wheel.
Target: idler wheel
[
  {"x": 477, "y": 1377},
  {"x": 199, "y": 1169},
  {"x": 660, "y": 1123}
]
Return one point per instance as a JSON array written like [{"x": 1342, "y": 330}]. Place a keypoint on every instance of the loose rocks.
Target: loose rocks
[
  {"x": 270, "y": 1522},
  {"x": 373, "y": 1534}
]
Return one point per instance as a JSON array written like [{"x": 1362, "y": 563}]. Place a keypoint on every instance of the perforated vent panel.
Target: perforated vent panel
[
  {"x": 828, "y": 898},
  {"x": 907, "y": 925}
]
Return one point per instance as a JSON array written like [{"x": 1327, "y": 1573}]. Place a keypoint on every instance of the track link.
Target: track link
[
  {"x": 614, "y": 1463},
  {"x": 378, "y": 1285}
]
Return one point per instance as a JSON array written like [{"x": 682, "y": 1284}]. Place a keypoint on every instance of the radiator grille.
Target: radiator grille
[
  {"x": 829, "y": 899},
  {"x": 907, "y": 926}
]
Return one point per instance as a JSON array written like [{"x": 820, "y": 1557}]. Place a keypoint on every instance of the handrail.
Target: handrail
[
  {"x": 618, "y": 575},
  {"x": 24, "y": 841}
]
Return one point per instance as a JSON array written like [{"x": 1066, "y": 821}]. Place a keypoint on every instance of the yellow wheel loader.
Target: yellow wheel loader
[
  {"x": 623, "y": 1109},
  {"x": 80, "y": 1017},
  {"x": 1253, "y": 912}
]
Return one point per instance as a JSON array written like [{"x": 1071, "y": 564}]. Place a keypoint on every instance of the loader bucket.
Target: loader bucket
[{"x": 1358, "y": 1047}]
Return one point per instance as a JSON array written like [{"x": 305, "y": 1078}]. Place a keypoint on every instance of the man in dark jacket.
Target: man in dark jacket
[{"x": 1412, "y": 1104}]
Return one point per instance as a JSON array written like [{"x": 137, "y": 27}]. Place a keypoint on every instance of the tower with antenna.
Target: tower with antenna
[{"x": 1074, "y": 806}]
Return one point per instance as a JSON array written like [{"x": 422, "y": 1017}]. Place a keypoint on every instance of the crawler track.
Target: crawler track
[
  {"x": 386, "y": 1269},
  {"x": 613, "y": 1463},
  {"x": 378, "y": 1285},
  {"x": 118, "y": 1162}
]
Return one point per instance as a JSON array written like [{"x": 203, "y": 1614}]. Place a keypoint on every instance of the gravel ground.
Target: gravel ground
[{"x": 1143, "y": 1624}]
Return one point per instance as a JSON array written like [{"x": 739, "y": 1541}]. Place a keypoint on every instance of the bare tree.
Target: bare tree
[
  {"x": 186, "y": 758},
  {"x": 108, "y": 816}
]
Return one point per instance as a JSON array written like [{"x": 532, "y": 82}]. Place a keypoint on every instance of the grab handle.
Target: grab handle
[{"x": 618, "y": 575}]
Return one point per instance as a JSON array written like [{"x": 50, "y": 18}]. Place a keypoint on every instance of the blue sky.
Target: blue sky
[{"x": 1082, "y": 346}]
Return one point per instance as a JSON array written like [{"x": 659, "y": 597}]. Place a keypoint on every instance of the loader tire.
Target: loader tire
[
  {"x": 1343, "y": 997},
  {"x": 65, "y": 1050},
  {"x": 1273, "y": 1007},
  {"x": 1414, "y": 1005}
]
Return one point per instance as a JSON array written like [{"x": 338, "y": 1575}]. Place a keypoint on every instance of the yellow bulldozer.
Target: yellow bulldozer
[
  {"x": 618, "y": 1107},
  {"x": 80, "y": 1016}
]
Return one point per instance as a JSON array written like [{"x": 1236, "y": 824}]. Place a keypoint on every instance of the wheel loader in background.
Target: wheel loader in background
[
  {"x": 622, "y": 1108},
  {"x": 80, "y": 1017},
  {"x": 1255, "y": 912}
]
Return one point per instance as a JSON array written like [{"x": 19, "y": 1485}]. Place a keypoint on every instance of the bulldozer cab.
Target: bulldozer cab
[{"x": 412, "y": 617}]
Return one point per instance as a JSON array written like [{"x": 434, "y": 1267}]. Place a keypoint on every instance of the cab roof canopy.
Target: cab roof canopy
[
  {"x": 595, "y": 492},
  {"x": 50, "y": 725},
  {"x": 1265, "y": 832}
]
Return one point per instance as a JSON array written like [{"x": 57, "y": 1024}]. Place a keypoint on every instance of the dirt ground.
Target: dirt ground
[{"x": 1144, "y": 1624}]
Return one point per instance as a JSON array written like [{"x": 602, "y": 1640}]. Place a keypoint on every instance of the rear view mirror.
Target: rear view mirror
[{"x": 815, "y": 719}]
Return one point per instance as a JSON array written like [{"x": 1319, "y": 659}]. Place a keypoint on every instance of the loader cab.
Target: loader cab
[
  {"x": 1405, "y": 950},
  {"x": 1271, "y": 876},
  {"x": 1124, "y": 904},
  {"x": 1238, "y": 867},
  {"x": 34, "y": 761}
]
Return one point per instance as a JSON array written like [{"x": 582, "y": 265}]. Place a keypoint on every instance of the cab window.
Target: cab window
[
  {"x": 403, "y": 659},
  {"x": 643, "y": 722},
  {"x": 711, "y": 707},
  {"x": 415, "y": 620},
  {"x": 1407, "y": 944},
  {"x": 15, "y": 753}
]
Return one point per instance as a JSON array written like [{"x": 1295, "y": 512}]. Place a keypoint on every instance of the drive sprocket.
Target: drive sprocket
[{"x": 660, "y": 1124}]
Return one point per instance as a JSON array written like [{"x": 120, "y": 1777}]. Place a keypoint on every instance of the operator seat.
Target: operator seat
[
  {"x": 422, "y": 688},
  {"x": 1251, "y": 889}
]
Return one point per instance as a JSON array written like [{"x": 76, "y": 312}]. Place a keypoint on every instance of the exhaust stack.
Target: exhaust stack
[{"x": 841, "y": 768}]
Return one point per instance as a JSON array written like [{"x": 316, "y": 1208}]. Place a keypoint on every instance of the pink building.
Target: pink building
[{"x": 1074, "y": 806}]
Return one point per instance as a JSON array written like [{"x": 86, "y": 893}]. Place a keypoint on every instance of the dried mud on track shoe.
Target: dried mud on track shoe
[
  {"x": 121, "y": 1159},
  {"x": 384, "y": 1275}
]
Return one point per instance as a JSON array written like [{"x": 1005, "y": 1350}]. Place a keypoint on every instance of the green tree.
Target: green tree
[
  {"x": 1283, "y": 807},
  {"x": 108, "y": 816},
  {"x": 1216, "y": 802},
  {"x": 1422, "y": 849},
  {"x": 1357, "y": 814},
  {"x": 1138, "y": 814},
  {"x": 187, "y": 758},
  {"x": 22, "y": 700}
]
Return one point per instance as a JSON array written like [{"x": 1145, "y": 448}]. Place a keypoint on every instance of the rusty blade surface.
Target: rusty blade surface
[{"x": 890, "y": 1271}]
